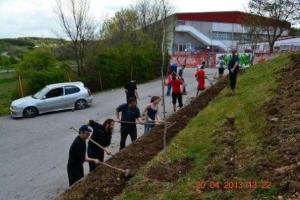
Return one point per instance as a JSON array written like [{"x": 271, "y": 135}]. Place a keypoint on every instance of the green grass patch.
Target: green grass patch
[
  {"x": 8, "y": 84},
  {"x": 254, "y": 88}
]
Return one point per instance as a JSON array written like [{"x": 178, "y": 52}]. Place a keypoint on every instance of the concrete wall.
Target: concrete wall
[{"x": 203, "y": 27}]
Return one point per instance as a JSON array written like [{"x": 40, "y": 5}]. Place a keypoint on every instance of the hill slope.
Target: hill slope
[
  {"x": 17, "y": 47},
  {"x": 239, "y": 147},
  {"x": 221, "y": 146}
]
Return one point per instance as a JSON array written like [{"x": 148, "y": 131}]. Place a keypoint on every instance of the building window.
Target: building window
[
  {"x": 184, "y": 47},
  {"x": 180, "y": 22},
  {"x": 230, "y": 36},
  {"x": 221, "y": 35}
]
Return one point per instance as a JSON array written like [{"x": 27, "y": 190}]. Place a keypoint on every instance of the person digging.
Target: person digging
[
  {"x": 77, "y": 155},
  {"x": 200, "y": 77},
  {"x": 102, "y": 136},
  {"x": 130, "y": 115},
  {"x": 177, "y": 93},
  {"x": 125, "y": 173}
]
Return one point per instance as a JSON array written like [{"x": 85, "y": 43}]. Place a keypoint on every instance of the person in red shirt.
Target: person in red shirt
[
  {"x": 200, "y": 76},
  {"x": 177, "y": 93}
]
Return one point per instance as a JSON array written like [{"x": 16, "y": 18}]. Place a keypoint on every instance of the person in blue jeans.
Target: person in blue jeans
[
  {"x": 150, "y": 113},
  {"x": 173, "y": 68},
  {"x": 130, "y": 114},
  {"x": 168, "y": 83}
]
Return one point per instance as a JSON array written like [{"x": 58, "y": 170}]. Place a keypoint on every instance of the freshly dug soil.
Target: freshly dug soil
[
  {"x": 223, "y": 158},
  {"x": 169, "y": 172},
  {"x": 105, "y": 183},
  {"x": 283, "y": 135}
]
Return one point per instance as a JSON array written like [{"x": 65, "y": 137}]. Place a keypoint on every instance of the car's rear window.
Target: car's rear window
[{"x": 71, "y": 90}]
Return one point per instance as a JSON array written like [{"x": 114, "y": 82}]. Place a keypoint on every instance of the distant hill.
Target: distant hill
[{"x": 19, "y": 46}]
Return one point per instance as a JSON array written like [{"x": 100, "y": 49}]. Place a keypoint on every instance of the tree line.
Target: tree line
[{"x": 125, "y": 47}]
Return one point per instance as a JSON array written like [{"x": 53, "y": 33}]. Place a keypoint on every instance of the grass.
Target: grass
[
  {"x": 196, "y": 141},
  {"x": 8, "y": 84}
]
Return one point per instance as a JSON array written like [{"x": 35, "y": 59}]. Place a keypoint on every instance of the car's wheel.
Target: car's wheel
[
  {"x": 80, "y": 104},
  {"x": 30, "y": 112}
]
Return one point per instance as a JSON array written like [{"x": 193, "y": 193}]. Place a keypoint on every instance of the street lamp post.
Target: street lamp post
[{"x": 208, "y": 50}]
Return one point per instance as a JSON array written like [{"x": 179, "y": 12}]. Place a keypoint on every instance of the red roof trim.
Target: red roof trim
[{"x": 224, "y": 17}]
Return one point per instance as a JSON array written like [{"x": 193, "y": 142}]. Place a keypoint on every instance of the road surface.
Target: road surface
[{"x": 34, "y": 152}]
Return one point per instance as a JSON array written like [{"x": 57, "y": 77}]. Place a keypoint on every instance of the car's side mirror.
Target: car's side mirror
[{"x": 44, "y": 97}]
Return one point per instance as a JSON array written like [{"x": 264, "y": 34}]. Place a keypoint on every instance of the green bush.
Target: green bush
[
  {"x": 35, "y": 80},
  {"x": 39, "y": 59},
  {"x": 115, "y": 66},
  {"x": 40, "y": 68}
]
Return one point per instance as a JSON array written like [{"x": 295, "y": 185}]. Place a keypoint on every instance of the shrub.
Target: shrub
[{"x": 40, "y": 68}]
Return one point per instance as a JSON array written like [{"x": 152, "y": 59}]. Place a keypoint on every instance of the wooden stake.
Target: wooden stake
[
  {"x": 100, "y": 80},
  {"x": 21, "y": 86}
]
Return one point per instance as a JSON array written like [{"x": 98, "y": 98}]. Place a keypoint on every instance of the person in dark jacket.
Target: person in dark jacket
[
  {"x": 130, "y": 114},
  {"x": 102, "y": 135},
  {"x": 131, "y": 90},
  {"x": 77, "y": 155},
  {"x": 233, "y": 68}
]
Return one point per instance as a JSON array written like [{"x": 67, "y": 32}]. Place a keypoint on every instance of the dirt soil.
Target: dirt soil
[
  {"x": 283, "y": 134},
  {"x": 223, "y": 158},
  {"x": 106, "y": 183},
  {"x": 170, "y": 172},
  {"x": 279, "y": 160},
  {"x": 278, "y": 163}
]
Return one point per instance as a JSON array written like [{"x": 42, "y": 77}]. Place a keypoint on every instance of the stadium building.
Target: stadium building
[
  {"x": 208, "y": 32},
  {"x": 219, "y": 31}
]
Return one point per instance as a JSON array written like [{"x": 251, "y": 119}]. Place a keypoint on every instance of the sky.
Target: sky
[{"x": 19, "y": 18}]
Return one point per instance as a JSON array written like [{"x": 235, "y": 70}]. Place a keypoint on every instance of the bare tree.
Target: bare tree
[
  {"x": 154, "y": 19},
  {"x": 163, "y": 52},
  {"x": 274, "y": 16},
  {"x": 150, "y": 14},
  {"x": 77, "y": 25},
  {"x": 149, "y": 11},
  {"x": 255, "y": 32}
]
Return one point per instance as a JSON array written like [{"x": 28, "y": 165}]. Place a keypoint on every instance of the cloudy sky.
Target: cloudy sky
[{"x": 36, "y": 17}]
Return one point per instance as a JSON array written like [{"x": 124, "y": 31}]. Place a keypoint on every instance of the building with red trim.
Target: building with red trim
[{"x": 210, "y": 31}]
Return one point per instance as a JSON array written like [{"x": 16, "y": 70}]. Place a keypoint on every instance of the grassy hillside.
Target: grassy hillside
[
  {"x": 19, "y": 46},
  {"x": 222, "y": 145}
]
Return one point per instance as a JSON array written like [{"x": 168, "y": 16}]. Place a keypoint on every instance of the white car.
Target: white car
[{"x": 54, "y": 97}]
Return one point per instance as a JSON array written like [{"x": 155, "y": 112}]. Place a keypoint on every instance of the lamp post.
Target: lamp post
[{"x": 208, "y": 50}]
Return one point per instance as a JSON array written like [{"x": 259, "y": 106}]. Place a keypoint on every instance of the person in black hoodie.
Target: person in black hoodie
[
  {"x": 77, "y": 155},
  {"x": 102, "y": 135}
]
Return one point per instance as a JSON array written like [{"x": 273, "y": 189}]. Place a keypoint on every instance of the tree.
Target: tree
[
  {"x": 163, "y": 51},
  {"x": 122, "y": 27},
  {"x": 254, "y": 33},
  {"x": 150, "y": 13},
  {"x": 274, "y": 16},
  {"x": 78, "y": 26},
  {"x": 39, "y": 68}
]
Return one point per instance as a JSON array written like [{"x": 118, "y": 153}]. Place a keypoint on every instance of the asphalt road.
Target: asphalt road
[{"x": 34, "y": 152}]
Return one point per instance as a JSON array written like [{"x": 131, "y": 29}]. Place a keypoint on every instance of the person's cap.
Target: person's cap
[{"x": 85, "y": 128}]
